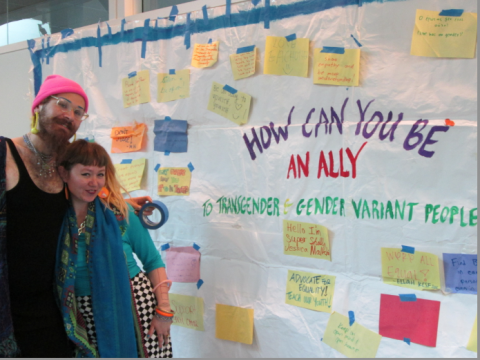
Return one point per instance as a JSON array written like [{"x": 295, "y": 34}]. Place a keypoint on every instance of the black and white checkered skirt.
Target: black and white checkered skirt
[{"x": 145, "y": 302}]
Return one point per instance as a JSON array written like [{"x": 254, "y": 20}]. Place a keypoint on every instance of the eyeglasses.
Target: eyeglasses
[{"x": 67, "y": 106}]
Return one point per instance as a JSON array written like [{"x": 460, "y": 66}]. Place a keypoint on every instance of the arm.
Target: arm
[{"x": 162, "y": 327}]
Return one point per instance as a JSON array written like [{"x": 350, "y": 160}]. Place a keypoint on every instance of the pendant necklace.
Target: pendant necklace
[{"x": 47, "y": 163}]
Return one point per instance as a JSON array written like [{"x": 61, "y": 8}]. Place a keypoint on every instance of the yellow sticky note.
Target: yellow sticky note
[
  {"x": 305, "y": 239},
  {"x": 234, "y": 107},
  {"x": 311, "y": 291},
  {"x": 173, "y": 86},
  {"x": 444, "y": 36},
  {"x": 243, "y": 64},
  {"x": 354, "y": 341},
  {"x": 336, "y": 69},
  {"x": 130, "y": 175},
  {"x": 284, "y": 57},
  {"x": 472, "y": 342},
  {"x": 234, "y": 324},
  {"x": 415, "y": 271},
  {"x": 174, "y": 181},
  {"x": 136, "y": 90},
  {"x": 127, "y": 138},
  {"x": 188, "y": 311},
  {"x": 205, "y": 55}
]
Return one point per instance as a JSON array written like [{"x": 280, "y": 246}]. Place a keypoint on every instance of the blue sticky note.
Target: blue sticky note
[
  {"x": 408, "y": 249},
  {"x": 157, "y": 167},
  {"x": 190, "y": 166},
  {"x": 351, "y": 317},
  {"x": 408, "y": 297},
  {"x": 460, "y": 273},
  {"x": 245, "y": 49},
  {"x": 170, "y": 136},
  {"x": 451, "y": 12},
  {"x": 196, "y": 247},
  {"x": 230, "y": 89},
  {"x": 199, "y": 283},
  {"x": 333, "y": 50},
  {"x": 291, "y": 37},
  {"x": 165, "y": 247},
  {"x": 126, "y": 161},
  {"x": 171, "y": 71},
  {"x": 407, "y": 340},
  {"x": 132, "y": 74}
]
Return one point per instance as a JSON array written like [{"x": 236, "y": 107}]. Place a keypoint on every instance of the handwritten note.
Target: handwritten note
[
  {"x": 136, "y": 90},
  {"x": 127, "y": 138},
  {"x": 284, "y": 57},
  {"x": 415, "y": 271},
  {"x": 234, "y": 324},
  {"x": 354, "y": 341},
  {"x": 183, "y": 264},
  {"x": 130, "y": 175},
  {"x": 305, "y": 239},
  {"x": 414, "y": 320},
  {"x": 311, "y": 291},
  {"x": 173, "y": 86},
  {"x": 174, "y": 181},
  {"x": 460, "y": 273},
  {"x": 188, "y": 311},
  {"x": 472, "y": 342},
  {"x": 234, "y": 107},
  {"x": 205, "y": 55},
  {"x": 444, "y": 36},
  {"x": 336, "y": 69},
  {"x": 243, "y": 64}
]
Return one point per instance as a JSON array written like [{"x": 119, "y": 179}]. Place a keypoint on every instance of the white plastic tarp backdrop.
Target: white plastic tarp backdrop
[{"x": 243, "y": 263}]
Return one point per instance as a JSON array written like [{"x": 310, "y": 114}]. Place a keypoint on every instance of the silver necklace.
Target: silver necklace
[{"x": 47, "y": 163}]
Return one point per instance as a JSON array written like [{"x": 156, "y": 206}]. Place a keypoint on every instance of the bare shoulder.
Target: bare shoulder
[{"x": 11, "y": 172}]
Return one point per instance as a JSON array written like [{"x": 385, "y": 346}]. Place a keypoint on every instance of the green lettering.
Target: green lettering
[{"x": 398, "y": 210}]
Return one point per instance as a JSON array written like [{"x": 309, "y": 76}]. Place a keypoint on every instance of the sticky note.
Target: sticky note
[
  {"x": 234, "y": 324},
  {"x": 415, "y": 320},
  {"x": 305, "y": 239},
  {"x": 170, "y": 135},
  {"x": 243, "y": 64},
  {"x": 415, "y": 271},
  {"x": 136, "y": 89},
  {"x": 127, "y": 138},
  {"x": 234, "y": 107},
  {"x": 183, "y": 264},
  {"x": 188, "y": 311},
  {"x": 460, "y": 273},
  {"x": 173, "y": 86},
  {"x": 354, "y": 341},
  {"x": 310, "y": 291},
  {"x": 444, "y": 36},
  {"x": 284, "y": 57},
  {"x": 130, "y": 175},
  {"x": 174, "y": 181},
  {"x": 205, "y": 55},
  {"x": 472, "y": 342},
  {"x": 336, "y": 69}
]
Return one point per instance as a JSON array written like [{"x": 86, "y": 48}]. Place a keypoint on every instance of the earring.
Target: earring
[
  {"x": 104, "y": 193},
  {"x": 66, "y": 191},
  {"x": 34, "y": 129},
  {"x": 75, "y": 137}
]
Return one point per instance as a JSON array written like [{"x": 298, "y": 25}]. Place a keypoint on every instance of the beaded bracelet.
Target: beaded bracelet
[{"x": 164, "y": 318}]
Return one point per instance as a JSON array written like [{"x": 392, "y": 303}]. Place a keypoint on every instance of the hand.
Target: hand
[
  {"x": 138, "y": 202},
  {"x": 163, "y": 330}
]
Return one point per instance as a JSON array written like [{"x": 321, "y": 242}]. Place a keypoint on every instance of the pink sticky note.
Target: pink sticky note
[
  {"x": 414, "y": 320},
  {"x": 183, "y": 264}
]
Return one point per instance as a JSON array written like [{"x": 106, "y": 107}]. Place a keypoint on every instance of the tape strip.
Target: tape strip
[
  {"x": 165, "y": 247},
  {"x": 146, "y": 222},
  {"x": 228, "y": 9},
  {"x": 66, "y": 32},
  {"x": 186, "y": 41},
  {"x": 408, "y": 249},
  {"x": 333, "y": 50},
  {"x": 351, "y": 317},
  {"x": 157, "y": 167},
  {"x": 255, "y": 2},
  {"x": 109, "y": 31},
  {"x": 132, "y": 74},
  {"x": 126, "y": 161},
  {"x": 168, "y": 118},
  {"x": 190, "y": 166},
  {"x": 199, "y": 283},
  {"x": 167, "y": 153},
  {"x": 245, "y": 49},
  {"x": 122, "y": 28},
  {"x": 47, "y": 54},
  {"x": 37, "y": 67},
  {"x": 209, "y": 41},
  {"x": 266, "y": 15},
  {"x": 171, "y": 71},
  {"x": 451, "y": 12},
  {"x": 229, "y": 89},
  {"x": 356, "y": 41},
  {"x": 291, "y": 37},
  {"x": 42, "y": 54},
  {"x": 407, "y": 340},
  {"x": 146, "y": 30},
  {"x": 408, "y": 297},
  {"x": 205, "y": 14},
  {"x": 196, "y": 247},
  {"x": 173, "y": 13},
  {"x": 99, "y": 45}
]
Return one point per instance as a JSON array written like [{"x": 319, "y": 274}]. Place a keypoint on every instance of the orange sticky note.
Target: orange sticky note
[
  {"x": 234, "y": 323},
  {"x": 127, "y": 138}
]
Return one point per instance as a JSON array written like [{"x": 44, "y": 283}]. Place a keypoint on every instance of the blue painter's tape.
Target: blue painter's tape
[
  {"x": 209, "y": 41},
  {"x": 228, "y": 9},
  {"x": 42, "y": 54},
  {"x": 132, "y": 74},
  {"x": 149, "y": 224},
  {"x": 230, "y": 89},
  {"x": 109, "y": 31},
  {"x": 126, "y": 161},
  {"x": 186, "y": 40},
  {"x": 255, "y": 2},
  {"x": 199, "y": 283},
  {"x": 333, "y": 50},
  {"x": 171, "y": 71},
  {"x": 168, "y": 118},
  {"x": 122, "y": 28},
  {"x": 157, "y": 167},
  {"x": 167, "y": 153},
  {"x": 356, "y": 41},
  {"x": 165, "y": 247},
  {"x": 291, "y": 37},
  {"x": 245, "y": 49},
  {"x": 196, "y": 247},
  {"x": 99, "y": 45},
  {"x": 146, "y": 30},
  {"x": 407, "y": 340},
  {"x": 190, "y": 166},
  {"x": 351, "y": 317},
  {"x": 47, "y": 54},
  {"x": 37, "y": 67},
  {"x": 408, "y": 297},
  {"x": 173, "y": 13},
  {"x": 205, "y": 14},
  {"x": 408, "y": 249},
  {"x": 451, "y": 12},
  {"x": 266, "y": 15},
  {"x": 66, "y": 32}
]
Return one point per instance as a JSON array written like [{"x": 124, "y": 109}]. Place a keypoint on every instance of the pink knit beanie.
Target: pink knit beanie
[{"x": 56, "y": 84}]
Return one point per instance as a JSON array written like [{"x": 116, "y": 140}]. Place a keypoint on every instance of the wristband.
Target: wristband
[{"x": 163, "y": 318}]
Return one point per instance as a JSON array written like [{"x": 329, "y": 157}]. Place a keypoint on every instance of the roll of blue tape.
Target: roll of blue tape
[{"x": 149, "y": 224}]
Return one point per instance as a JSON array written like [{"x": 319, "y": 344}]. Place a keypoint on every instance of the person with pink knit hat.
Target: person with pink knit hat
[{"x": 31, "y": 324}]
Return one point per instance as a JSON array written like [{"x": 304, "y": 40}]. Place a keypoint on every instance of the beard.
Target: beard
[{"x": 56, "y": 141}]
